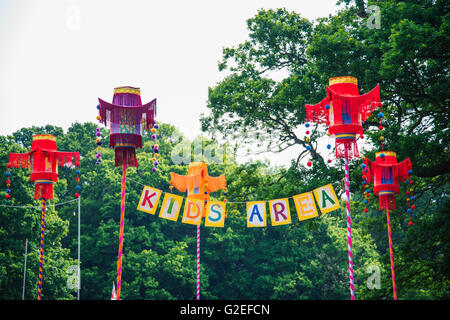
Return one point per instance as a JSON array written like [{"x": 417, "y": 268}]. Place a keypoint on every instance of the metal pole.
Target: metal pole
[
  {"x": 391, "y": 253},
  {"x": 79, "y": 270},
  {"x": 25, "y": 269},
  {"x": 198, "y": 262}
]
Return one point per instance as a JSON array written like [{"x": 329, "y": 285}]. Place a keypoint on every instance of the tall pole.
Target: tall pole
[
  {"x": 349, "y": 227},
  {"x": 198, "y": 262},
  {"x": 394, "y": 288},
  {"x": 122, "y": 218},
  {"x": 41, "y": 251},
  {"x": 79, "y": 270},
  {"x": 25, "y": 269}
]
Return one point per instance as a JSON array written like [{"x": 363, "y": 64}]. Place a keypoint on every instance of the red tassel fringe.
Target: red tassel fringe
[
  {"x": 43, "y": 190},
  {"x": 129, "y": 154}
]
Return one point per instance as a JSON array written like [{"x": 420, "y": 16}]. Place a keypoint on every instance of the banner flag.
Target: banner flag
[
  {"x": 326, "y": 198},
  {"x": 215, "y": 214},
  {"x": 149, "y": 200},
  {"x": 171, "y": 207},
  {"x": 305, "y": 206},
  {"x": 256, "y": 214},
  {"x": 214, "y": 211},
  {"x": 279, "y": 212},
  {"x": 193, "y": 210}
]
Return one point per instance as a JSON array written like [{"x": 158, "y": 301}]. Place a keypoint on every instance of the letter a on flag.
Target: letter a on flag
[
  {"x": 149, "y": 200},
  {"x": 326, "y": 198},
  {"x": 256, "y": 214}
]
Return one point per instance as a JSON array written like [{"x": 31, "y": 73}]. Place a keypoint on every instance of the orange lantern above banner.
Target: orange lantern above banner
[
  {"x": 198, "y": 183},
  {"x": 343, "y": 110}
]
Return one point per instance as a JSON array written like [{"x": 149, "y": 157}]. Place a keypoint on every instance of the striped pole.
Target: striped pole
[
  {"x": 394, "y": 288},
  {"x": 122, "y": 218},
  {"x": 349, "y": 228},
  {"x": 41, "y": 251},
  {"x": 198, "y": 262}
]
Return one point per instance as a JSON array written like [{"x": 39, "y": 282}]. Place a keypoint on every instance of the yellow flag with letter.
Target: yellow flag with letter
[
  {"x": 305, "y": 206},
  {"x": 171, "y": 207},
  {"x": 326, "y": 198},
  {"x": 149, "y": 200},
  {"x": 193, "y": 209},
  {"x": 256, "y": 214},
  {"x": 215, "y": 214},
  {"x": 279, "y": 212}
]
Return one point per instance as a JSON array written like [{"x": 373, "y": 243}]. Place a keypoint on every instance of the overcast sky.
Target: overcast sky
[{"x": 58, "y": 56}]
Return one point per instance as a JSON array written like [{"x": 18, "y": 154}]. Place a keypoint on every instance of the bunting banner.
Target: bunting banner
[{"x": 307, "y": 205}]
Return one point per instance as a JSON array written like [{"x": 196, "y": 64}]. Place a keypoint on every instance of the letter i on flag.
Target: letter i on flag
[{"x": 171, "y": 207}]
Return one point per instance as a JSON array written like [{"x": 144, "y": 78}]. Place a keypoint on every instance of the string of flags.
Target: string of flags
[{"x": 214, "y": 211}]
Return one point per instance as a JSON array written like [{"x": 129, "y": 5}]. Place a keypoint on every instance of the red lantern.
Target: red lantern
[
  {"x": 126, "y": 117},
  {"x": 343, "y": 111},
  {"x": 385, "y": 173},
  {"x": 43, "y": 161}
]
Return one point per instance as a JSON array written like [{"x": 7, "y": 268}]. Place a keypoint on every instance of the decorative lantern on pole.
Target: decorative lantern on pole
[
  {"x": 126, "y": 117},
  {"x": 43, "y": 160},
  {"x": 386, "y": 173},
  {"x": 343, "y": 110},
  {"x": 199, "y": 185}
]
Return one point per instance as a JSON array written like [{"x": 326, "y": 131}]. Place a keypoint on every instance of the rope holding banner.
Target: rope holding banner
[
  {"x": 198, "y": 262},
  {"x": 41, "y": 251},
  {"x": 122, "y": 220},
  {"x": 391, "y": 252},
  {"x": 349, "y": 228}
]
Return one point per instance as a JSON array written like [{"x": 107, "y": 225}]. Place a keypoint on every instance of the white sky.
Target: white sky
[{"x": 58, "y": 56}]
